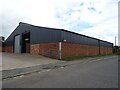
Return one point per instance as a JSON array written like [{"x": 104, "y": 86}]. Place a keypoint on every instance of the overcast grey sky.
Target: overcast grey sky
[{"x": 96, "y": 18}]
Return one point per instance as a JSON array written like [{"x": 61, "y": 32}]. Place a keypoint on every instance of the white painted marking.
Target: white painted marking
[
  {"x": 16, "y": 77},
  {"x": 39, "y": 72},
  {"x": 61, "y": 67},
  {"x": 21, "y": 76},
  {"x": 95, "y": 60},
  {"x": 48, "y": 70}
]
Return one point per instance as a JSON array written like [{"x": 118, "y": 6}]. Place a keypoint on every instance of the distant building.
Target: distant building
[
  {"x": 116, "y": 49},
  {"x": 2, "y": 39},
  {"x": 54, "y": 43}
]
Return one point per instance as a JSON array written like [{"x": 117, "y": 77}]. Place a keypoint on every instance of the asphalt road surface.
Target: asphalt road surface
[{"x": 99, "y": 73}]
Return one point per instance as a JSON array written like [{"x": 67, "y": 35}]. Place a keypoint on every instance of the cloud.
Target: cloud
[{"x": 100, "y": 16}]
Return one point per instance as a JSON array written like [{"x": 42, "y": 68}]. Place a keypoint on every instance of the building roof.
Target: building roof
[
  {"x": 22, "y": 23},
  {"x": 62, "y": 30}
]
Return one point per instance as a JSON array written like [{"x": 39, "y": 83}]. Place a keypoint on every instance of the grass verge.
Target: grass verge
[{"x": 85, "y": 57}]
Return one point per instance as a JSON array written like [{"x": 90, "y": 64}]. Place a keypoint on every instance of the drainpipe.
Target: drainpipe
[{"x": 60, "y": 50}]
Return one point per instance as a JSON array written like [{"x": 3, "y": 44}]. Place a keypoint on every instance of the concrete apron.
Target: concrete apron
[
  {"x": 17, "y": 64},
  {"x": 13, "y": 61},
  {"x": 6, "y": 74}
]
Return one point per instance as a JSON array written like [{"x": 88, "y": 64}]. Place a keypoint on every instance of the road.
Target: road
[{"x": 99, "y": 73}]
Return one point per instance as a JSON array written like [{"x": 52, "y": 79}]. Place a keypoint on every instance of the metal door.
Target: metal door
[{"x": 17, "y": 48}]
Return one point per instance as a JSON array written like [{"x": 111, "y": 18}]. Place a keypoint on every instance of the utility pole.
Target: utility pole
[{"x": 115, "y": 40}]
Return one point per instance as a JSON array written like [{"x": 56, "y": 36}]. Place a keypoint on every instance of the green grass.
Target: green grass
[{"x": 85, "y": 57}]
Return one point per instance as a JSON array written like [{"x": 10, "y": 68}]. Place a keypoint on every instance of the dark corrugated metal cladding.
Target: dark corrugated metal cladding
[
  {"x": 45, "y": 35},
  {"x": 81, "y": 39}
]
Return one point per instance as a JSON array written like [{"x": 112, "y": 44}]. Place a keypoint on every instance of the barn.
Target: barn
[{"x": 54, "y": 43}]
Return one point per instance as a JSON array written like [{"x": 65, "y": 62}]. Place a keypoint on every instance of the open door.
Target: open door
[
  {"x": 17, "y": 48},
  {"x": 26, "y": 42}
]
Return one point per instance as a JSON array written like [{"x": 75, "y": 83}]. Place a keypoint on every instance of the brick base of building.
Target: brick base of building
[
  {"x": 48, "y": 50},
  {"x": 70, "y": 49},
  {"x": 67, "y": 50},
  {"x": 106, "y": 50},
  {"x": 8, "y": 49},
  {"x": 1, "y": 49}
]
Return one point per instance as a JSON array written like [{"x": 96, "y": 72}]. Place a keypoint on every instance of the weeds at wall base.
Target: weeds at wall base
[{"x": 85, "y": 57}]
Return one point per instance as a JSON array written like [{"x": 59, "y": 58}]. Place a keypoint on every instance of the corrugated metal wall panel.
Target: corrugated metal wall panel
[
  {"x": 81, "y": 39},
  {"x": 106, "y": 44},
  {"x": 74, "y": 38},
  {"x": 44, "y": 35}
]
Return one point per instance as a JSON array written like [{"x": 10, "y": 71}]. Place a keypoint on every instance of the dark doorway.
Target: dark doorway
[{"x": 26, "y": 42}]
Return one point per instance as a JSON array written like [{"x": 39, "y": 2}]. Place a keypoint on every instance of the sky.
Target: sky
[{"x": 95, "y": 18}]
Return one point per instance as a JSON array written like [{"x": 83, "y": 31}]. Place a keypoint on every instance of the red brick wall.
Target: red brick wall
[
  {"x": 70, "y": 49},
  {"x": 105, "y": 50},
  {"x": 48, "y": 49},
  {"x": 110, "y": 50},
  {"x": 1, "y": 49},
  {"x": 8, "y": 49},
  {"x": 34, "y": 48}
]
